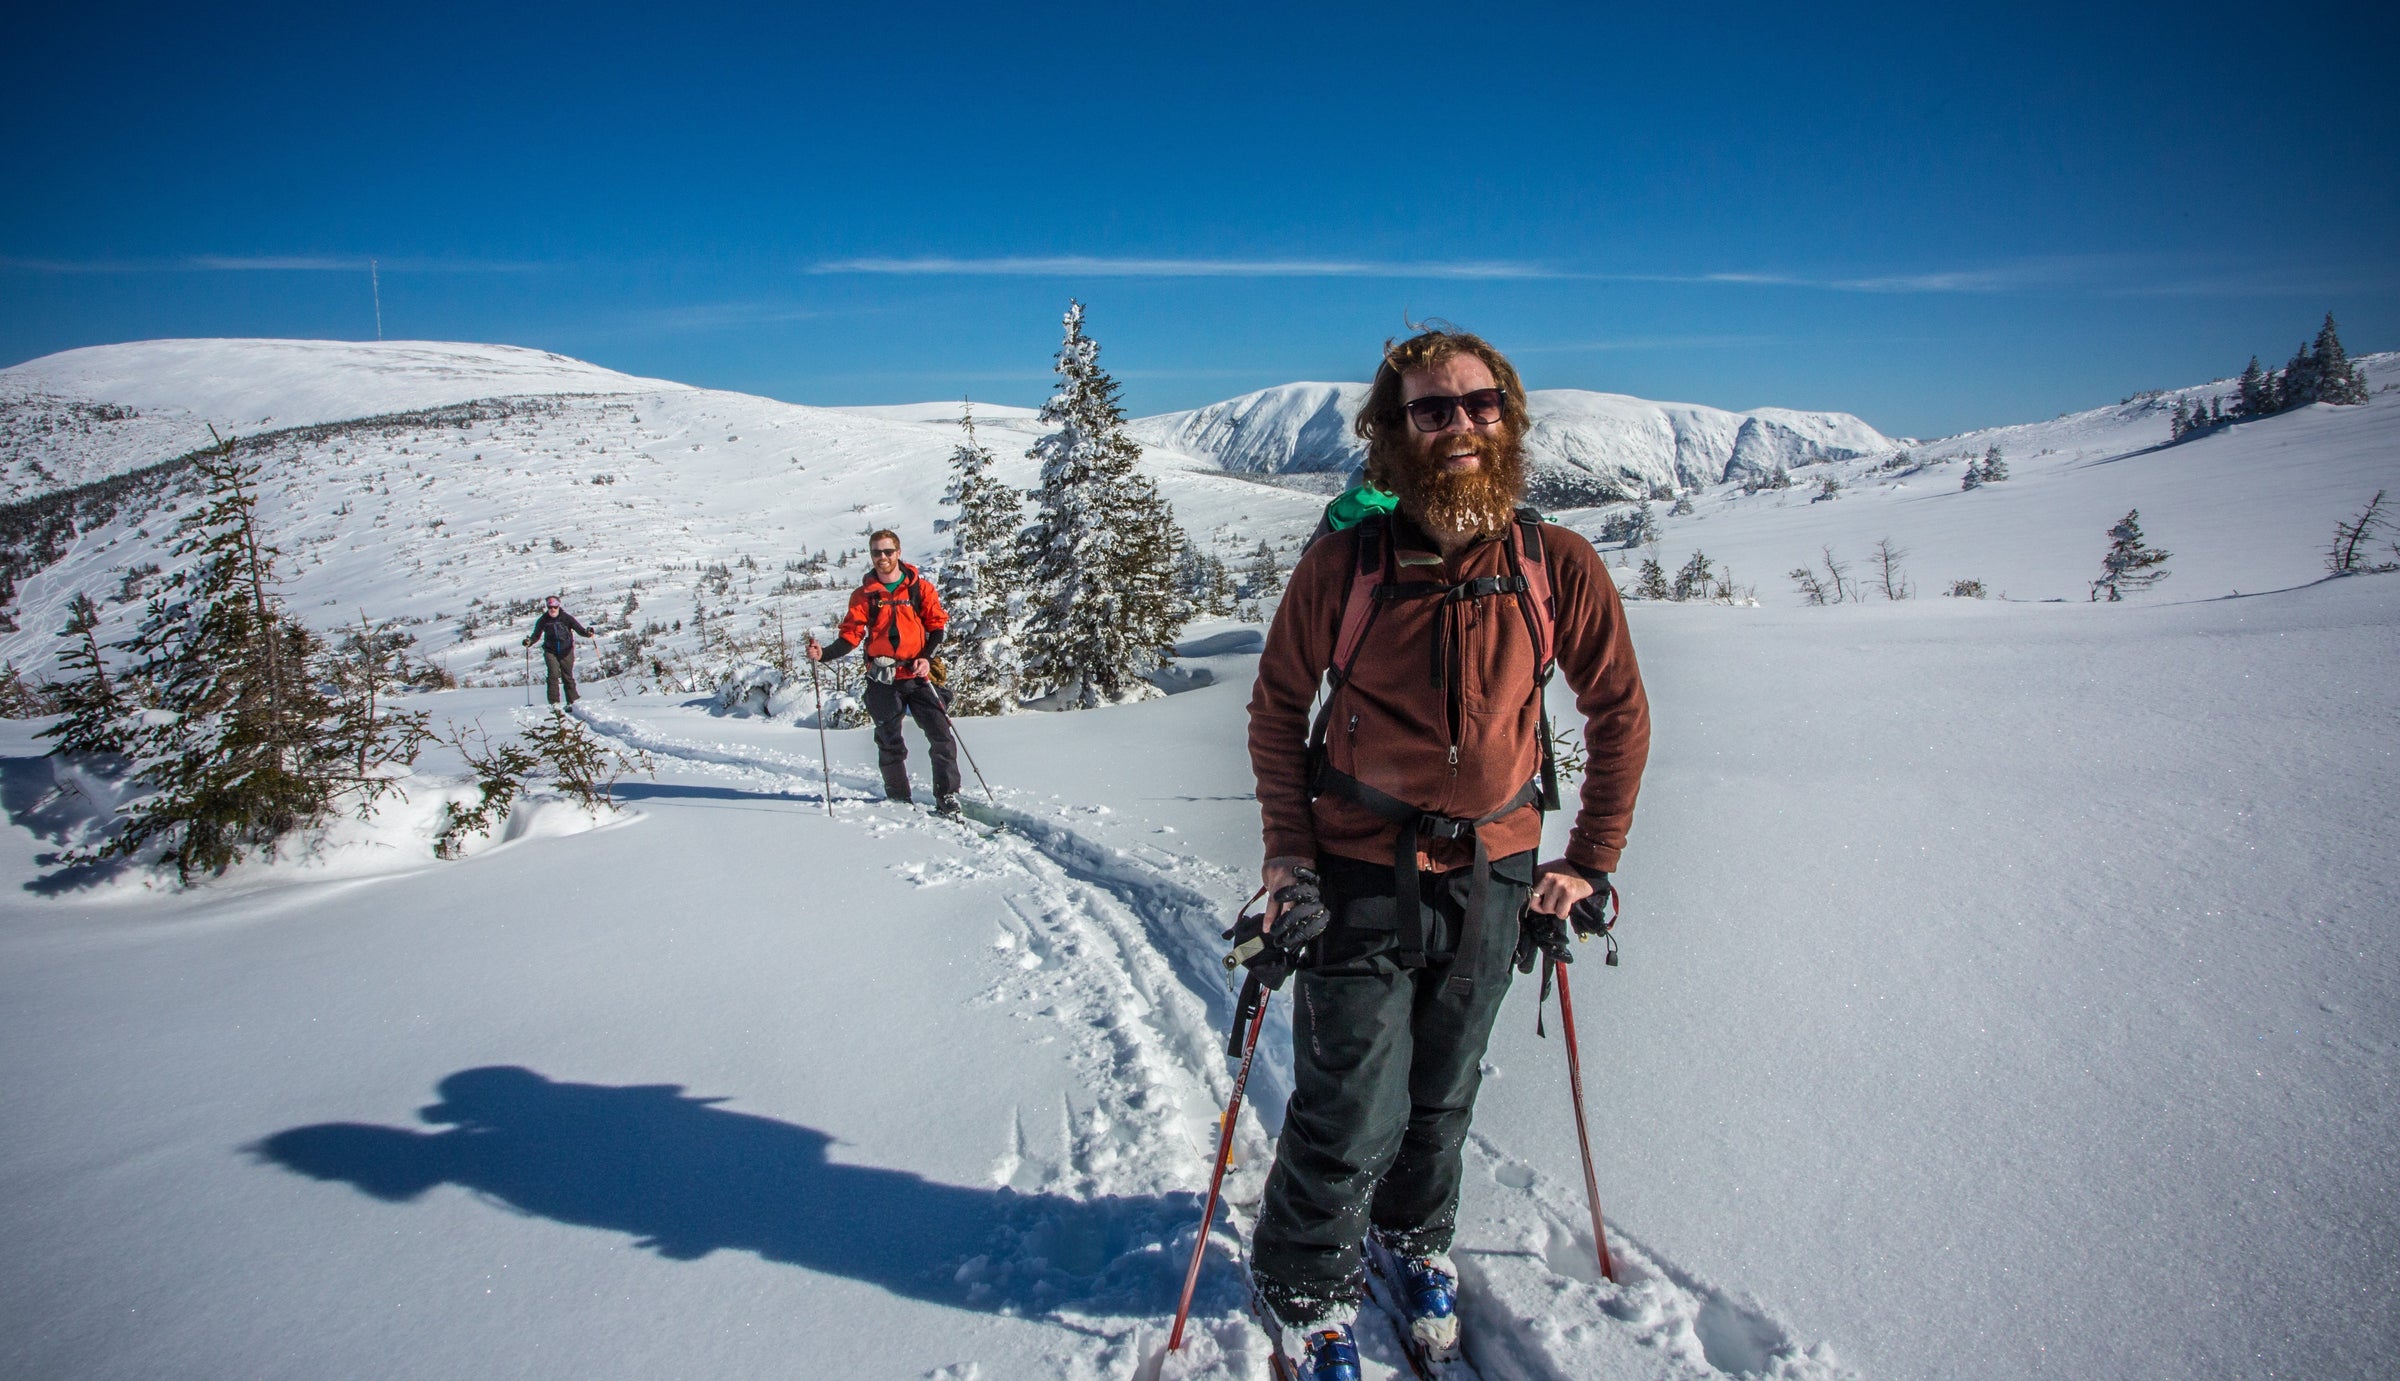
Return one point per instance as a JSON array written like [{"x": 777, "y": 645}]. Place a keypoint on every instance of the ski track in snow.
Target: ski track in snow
[{"x": 1119, "y": 956}]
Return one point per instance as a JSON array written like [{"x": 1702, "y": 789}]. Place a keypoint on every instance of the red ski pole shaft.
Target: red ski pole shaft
[
  {"x": 1583, "y": 1136},
  {"x": 1216, "y": 1178}
]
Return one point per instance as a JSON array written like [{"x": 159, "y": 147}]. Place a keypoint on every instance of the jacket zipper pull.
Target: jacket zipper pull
[
  {"x": 1453, "y": 759},
  {"x": 1353, "y": 723}
]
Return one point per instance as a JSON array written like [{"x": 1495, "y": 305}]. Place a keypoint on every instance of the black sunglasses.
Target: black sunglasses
[
  {"x": 1432, "y": 412},
  {"x": 883, "y": 551}
]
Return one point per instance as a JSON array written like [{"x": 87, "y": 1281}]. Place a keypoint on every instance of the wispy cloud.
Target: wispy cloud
[
  {"x": 271, "y": 263},
  {"x": 1088, "y": 266},
  {"x": 1575, "y": 347},
  {"x": 2003, "y": 278}
]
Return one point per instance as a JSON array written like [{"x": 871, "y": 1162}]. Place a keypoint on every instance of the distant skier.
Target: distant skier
[
  {"x": 897, "y": 615},
  {"x": 1401, "y": 828},
  {"x": 555, "y": 630}
]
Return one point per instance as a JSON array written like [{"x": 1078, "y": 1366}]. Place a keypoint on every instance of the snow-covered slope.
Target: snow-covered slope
[
  {"x": 79, "y": 415},
  {"x": 2008, "y": 987},
  {"x": 2246, "y": 508},
  {"x": 1582, "y": 445},
  {"x": 656, "y": 508}
]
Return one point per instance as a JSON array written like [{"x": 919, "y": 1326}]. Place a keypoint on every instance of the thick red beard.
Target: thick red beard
[{"x": 1475, "y": 503}]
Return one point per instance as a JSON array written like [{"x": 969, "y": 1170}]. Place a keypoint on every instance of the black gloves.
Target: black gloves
[
  {"x": 1304, "y": 915},
  {"x": 1541, "y": 934},
  {"x": 1591, "y": 914},
  {"x": 1271, "y": 955}
]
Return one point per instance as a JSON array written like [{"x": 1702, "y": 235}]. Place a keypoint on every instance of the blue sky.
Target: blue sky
[{"x": 1935, "y": 218}]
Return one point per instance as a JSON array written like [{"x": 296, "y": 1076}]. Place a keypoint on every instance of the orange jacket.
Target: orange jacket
[{"x": 903, "y": 624}]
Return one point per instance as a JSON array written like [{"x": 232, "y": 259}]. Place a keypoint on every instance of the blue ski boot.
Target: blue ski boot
[
  {"x": 1427, "y": 1287},
  {"x": 1328, "y": 1353}
]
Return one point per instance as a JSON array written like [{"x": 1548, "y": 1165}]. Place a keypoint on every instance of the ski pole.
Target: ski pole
[
  {"x": 1216, "y": 1178},
  {"x": 528, "y": 675},
  {"x": 824, "y": 753},
  {"x": 1583, "y": 1136},
  {"x": 961, "y": 740}
]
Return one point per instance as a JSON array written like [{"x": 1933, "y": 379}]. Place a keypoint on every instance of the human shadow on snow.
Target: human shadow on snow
[{"x": 685, "y": 1178}]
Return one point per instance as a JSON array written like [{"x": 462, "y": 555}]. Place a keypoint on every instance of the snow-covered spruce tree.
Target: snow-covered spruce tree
[
  {"x": 1692, "y": 582},
  {"x": 1973, "y": 479},
  {"x": 367, "y": 732},
  {"x": 2256, "y": 392},
  {"x": 1995, "y": 470},
  {"x": 92, "y": 710},
  {"x": 1653, "y": 583},
  {"x": 1206, "y": 584},
  {"x": 2131, "y": 565},
  {"x": 1264, "y": 575},
  {"x": 2338, "y": 380},
  {"x": 24, "y": 698},
  {"x": 1099, "y": 558},
  {"x": 980, "y": 647},
  {"x": 240, "y": 743}
]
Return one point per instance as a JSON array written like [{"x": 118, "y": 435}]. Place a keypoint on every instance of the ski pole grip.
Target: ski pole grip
[{"x": 1242, "y": 952}]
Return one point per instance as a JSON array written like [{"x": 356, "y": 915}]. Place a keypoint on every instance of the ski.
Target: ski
[{"x": 1279, "y": 1359}]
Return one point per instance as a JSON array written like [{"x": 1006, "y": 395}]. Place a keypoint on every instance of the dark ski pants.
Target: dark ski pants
[
  {"x": 559, "y": 669},
  {"x": 1385, "y": 1065},
  {"x": 888, "y": 703}
]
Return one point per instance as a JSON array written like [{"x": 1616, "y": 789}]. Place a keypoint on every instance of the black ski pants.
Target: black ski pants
[
  {"x": 1386, "y": 1062},
  {"x": 888, "y": 704},
  {"x": 557, "y": 669}
]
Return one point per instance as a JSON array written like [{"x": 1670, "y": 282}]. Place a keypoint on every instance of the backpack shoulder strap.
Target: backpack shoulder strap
[
  {"x": 1367, "y": 571},
  {"x": 1537, "y": 598}
]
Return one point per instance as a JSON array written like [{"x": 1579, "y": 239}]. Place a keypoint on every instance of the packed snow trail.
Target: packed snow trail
[{"x": 1123, "y": 951}]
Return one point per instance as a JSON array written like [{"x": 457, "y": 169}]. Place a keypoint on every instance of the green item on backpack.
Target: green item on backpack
[{"x": 1356, "y": 504}]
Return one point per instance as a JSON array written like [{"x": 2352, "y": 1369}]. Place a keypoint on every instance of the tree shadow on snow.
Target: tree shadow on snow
[
  {"x": 685, "y": 1178},
  {"x": 70, "y": 804},
  {"x": 679, "y": 791}
]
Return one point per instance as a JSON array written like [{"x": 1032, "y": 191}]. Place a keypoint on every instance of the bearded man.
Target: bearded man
[{"x": 1401, "y": 828}]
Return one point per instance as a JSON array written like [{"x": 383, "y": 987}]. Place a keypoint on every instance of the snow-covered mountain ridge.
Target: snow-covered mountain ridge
[
  {"x": 660, "y": 508},
  {"x": 657, "y": 508},
  {"x": 81, "y": 415},
  {"x": 1584, "y": 447}
]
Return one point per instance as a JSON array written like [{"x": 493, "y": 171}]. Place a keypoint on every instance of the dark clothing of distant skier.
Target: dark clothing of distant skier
[{"x": 556, "y": 631}]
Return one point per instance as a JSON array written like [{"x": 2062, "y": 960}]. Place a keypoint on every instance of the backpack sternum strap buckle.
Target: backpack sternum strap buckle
[
  {"x": 1485, "y": 586},
  {"x": 1444, "y": 827}
]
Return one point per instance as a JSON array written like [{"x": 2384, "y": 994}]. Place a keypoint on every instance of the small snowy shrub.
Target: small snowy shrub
[
  {"x": 2342, "y": 557},
  {"x": 584, "y": 767},
  {"x": 500, "y": 771},
  {"x": 2131, "y": 563},
  {"x": 1966, "y": 589}
]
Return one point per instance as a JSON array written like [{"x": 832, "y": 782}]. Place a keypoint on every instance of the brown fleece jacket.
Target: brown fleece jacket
[{"x": 1393, "y": 722}]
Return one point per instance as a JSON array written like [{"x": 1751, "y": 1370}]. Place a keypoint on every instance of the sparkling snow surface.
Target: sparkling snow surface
[{"x": 2009, "y": 987}]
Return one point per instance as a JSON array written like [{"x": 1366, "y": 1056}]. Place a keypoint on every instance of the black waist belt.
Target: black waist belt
[{"x": 1415, "y": 826}]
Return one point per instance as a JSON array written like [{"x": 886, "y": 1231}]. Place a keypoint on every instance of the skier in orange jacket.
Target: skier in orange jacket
[{"x": 897, "y": 616}]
